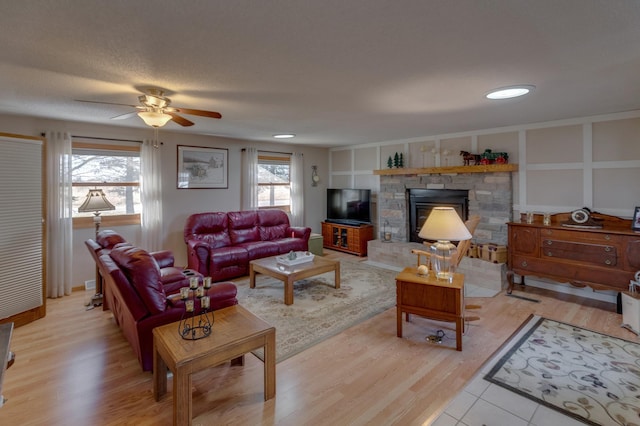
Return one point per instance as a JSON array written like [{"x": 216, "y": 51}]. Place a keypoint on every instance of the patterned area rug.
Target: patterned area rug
[
  {"x": 319, "y": 310},
  {"x": 590, "y": 376}
]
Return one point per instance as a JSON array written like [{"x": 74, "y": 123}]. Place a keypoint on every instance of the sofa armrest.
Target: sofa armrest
[
  {"x": 299, "y": 232},
  {"x": 164, "y": 258},
  {"x": 198, "y": 256}
]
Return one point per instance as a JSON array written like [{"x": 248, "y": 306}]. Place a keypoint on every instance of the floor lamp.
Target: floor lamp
[{"x": 96, "y": 202}]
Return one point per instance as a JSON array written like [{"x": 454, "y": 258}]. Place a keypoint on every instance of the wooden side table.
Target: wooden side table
[
  {"x": 236, "y": 331},
  {"x": 430, "y": 298}
]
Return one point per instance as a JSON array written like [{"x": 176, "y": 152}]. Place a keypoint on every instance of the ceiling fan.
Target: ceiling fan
[{"x": 155, "y": 110}]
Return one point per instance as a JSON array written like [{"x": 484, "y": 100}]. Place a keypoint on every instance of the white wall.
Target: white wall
[
  {"x": 178, "y": 204},
  {"x": 563, "y": 165}
]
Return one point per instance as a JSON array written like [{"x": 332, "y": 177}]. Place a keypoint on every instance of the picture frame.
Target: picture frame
[
  {"x": 202, "y": 168},
  {"x": 635, "y": 223}
]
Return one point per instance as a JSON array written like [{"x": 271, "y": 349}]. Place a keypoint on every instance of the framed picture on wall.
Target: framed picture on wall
[
  {"x": 636, "y": 220},
  {"x": 200, "y": 167}
]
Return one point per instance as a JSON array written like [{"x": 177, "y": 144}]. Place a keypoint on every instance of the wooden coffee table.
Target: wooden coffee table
[
  {"x": 288, "y": 274},
  {"x": 236, "y": 331}
]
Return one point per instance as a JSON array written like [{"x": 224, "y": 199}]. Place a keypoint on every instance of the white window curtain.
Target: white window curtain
[
  {"x": 297, "y": 189},
  {"x": 59, "y": 215},
  {"x": 151, "y": 195},
  {"x": 249, "y": 187}
]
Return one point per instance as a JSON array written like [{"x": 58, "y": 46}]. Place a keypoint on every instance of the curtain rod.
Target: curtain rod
[
  {"x": 270, "y": 152},
  {"x": 100, "y": 139},
  {"x": 106, "y": 139}
]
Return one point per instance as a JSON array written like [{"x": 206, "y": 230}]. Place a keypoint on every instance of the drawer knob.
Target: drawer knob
[
  {"x": 524, "y": 264},
  {"x": 549, "y": 254},
  {"x": 607, "y": 262},
  {"x": 607, "y": 237},
  {"x": 607, "y": 249},
  {"x": 549, "y": 242}
]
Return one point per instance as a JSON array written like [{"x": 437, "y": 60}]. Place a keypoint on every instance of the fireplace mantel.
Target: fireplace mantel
[{"x": 487, "y": 168}]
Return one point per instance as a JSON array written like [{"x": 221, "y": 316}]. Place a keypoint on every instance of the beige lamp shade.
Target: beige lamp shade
[
  {"x": 444, "y": 224},
  {"x": 96, "y": 201},
  {"x": 154, "y": 119}
]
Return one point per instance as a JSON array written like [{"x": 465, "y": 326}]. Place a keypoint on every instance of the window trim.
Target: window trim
[{"x": 110, "y": 220}]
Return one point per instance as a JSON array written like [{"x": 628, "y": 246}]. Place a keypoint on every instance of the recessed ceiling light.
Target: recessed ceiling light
[
  {"x": 510, "y": 92},
  {"x": 284, "y": 136}
]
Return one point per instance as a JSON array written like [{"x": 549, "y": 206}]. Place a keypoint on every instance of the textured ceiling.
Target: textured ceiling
[{"x": 334, "y": 72}]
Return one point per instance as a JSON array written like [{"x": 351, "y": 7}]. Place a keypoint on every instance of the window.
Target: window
[
  {"x": 116, "y": 170},
  {"x": 274, "y": 183}
]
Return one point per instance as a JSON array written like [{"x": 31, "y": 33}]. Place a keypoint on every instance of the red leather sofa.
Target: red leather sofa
[
  {"x": 136, "y": 295},
  {"x": 221, "y": 244}
]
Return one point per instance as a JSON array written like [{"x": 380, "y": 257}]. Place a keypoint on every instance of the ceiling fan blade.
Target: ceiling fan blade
[
  {"x": 106, "y": 103},
  {"x": 202, "y": 113},
  {"x": 125, "y": 116},
  {"x": 180, "y": 120}
]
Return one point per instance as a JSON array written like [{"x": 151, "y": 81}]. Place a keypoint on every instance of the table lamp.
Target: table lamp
[
  {"x": 96, "y": 202},
  {"x": 444, "y": 225}
]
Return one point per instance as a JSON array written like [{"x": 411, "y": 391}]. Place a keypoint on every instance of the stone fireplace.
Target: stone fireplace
[{"x": 489, "y": 195}]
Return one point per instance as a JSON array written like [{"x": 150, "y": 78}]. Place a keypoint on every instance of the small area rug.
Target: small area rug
[
  {"x": 319, "y": 310},
  {"x": 590, "y": 376}
]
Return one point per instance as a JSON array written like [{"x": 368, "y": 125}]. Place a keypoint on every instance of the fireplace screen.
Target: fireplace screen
[{"x": 422, "y": 201}]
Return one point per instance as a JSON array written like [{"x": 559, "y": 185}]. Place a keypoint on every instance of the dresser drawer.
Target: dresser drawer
[
  {"x": 563, "y": 272},
  {"x": 592, "y": 254},
  {"x": 588, "y": 237}
]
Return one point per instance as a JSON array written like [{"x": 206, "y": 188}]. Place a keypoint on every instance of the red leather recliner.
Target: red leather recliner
[
  {"x": 172, "y": 277},
  {"x": 136, "y": 295}
]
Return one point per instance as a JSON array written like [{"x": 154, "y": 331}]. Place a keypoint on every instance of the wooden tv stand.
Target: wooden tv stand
[
  {"x": 604, "y": 258},
  {"x": 348, "y": 238}
]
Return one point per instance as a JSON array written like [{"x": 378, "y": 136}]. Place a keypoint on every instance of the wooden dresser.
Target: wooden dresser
[{"x": 602, "y": 258}]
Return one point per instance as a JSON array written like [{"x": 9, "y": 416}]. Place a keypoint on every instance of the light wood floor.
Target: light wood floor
[{"x": 75, "y": 368}]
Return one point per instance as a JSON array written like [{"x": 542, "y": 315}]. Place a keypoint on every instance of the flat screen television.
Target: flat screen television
[{"x": 349, "y": 206}]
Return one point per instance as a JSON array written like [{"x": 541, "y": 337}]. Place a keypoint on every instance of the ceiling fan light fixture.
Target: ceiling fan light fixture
[
  {"x": 510, "y": 92},
  {"x": 153, "y": 118},
  {"x": 284, "y": 136}
]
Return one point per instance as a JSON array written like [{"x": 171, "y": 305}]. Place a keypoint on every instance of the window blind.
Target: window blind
[{"x": 21, "y": 239}]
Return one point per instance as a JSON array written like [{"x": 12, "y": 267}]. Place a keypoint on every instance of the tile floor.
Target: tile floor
[{"x": 482, "y": 403}]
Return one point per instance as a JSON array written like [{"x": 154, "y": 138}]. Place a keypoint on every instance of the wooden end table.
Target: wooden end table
[
  {"x": 236, "y": 331},
  {"x": 430, "y": 298},
  {"x": 288, "y": 274}
]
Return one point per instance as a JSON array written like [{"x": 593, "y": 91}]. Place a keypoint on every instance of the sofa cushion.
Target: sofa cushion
[
  {"x": 123, "y": 293},
  {"x": 210, "y": 228},
  {"x": 286, "y": 245},
  {"x": 260, "y": 249},
  {"x": 172, "y": 279},
  {"x": 143, "y": 273},
  {"x": 226, "y": 262},
  {"x": 243, "y": 227},
  {"x": 272, "y": 224},
  {"x": 108, "y": 238}
]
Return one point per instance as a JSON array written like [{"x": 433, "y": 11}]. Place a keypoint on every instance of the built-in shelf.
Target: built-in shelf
[{"x": 487, "y": 168}]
